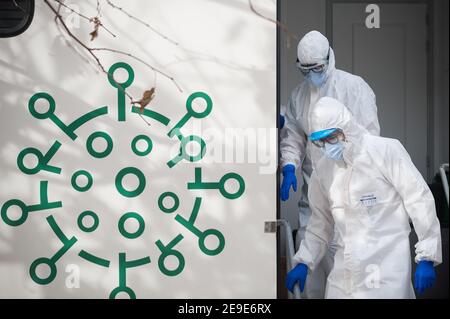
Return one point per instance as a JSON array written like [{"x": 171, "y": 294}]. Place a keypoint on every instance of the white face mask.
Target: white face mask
[
  {"x": 334, "y": 151},
  {"x": 317, "y": 79}
]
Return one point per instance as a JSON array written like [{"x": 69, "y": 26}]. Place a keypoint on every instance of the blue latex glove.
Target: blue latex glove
[
  {"x": 299, "y": 274},
  {"x": 281, "y": 121},
  {"x": 425, "y": 276},
  {"x": 289, "y": 179}
]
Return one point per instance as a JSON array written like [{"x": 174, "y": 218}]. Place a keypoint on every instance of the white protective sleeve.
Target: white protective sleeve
[
  {"x": 417, "y": 200},
  {"x": 293, "y": 139},
  {"x": 365, "y": 102},
  {"x": 320, "y": 229}
]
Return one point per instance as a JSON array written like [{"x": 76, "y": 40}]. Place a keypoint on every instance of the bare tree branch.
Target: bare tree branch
[
  {"x": 57, "y": 11},
  {"x": 58, "y": 16},
  {"x": 99, "y": 11},
  {"x": 69, "y": 44},
  {"x": 282, "y": 26},
  {"x": 91, "y": 51},
  {"x": 59, "y": 21},
  {"x": 142, "y": 22},
  {"x": 142, "y": 61},
  {"x": 94, "y": 20}
]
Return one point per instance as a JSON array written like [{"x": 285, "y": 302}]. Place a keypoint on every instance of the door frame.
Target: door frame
[
  {"x": 430, "y": 70},
  {"x": 278, "y": 99}
]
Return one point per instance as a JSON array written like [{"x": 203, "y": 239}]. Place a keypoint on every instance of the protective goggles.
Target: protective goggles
[
  {"x": 330, "y": 136},
  {"x": 316, "y": 67}
]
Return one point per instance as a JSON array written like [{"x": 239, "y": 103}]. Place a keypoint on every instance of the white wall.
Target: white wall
[{"x": 224, "y": 50}]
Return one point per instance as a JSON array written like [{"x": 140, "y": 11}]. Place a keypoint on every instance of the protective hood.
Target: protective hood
[
  {"x": 330, "y": 113},
  {"x": 314, "y": 48}
]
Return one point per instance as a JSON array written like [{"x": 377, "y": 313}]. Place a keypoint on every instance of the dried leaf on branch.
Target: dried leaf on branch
[
  {"x": 97, "y": 24},
  {"x": 147, "y": 97}
]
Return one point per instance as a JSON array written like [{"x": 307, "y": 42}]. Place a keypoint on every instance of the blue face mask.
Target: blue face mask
[
  {"x": 317, "y": 79},
  {"x": 334, "y": 151}
]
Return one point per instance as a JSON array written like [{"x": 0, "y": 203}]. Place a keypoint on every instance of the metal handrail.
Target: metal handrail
[{"x": 289, "y": 254}]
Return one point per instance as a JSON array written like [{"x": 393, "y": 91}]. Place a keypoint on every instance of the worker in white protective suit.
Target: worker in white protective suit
[
  {"x": 366, "y": 188},
  {"x": 316, "y": 62}
]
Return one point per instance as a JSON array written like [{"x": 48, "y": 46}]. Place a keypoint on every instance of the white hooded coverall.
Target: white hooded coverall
[
  {"x": 367, "y": 199},
  {"x": 295, "y": 148}
]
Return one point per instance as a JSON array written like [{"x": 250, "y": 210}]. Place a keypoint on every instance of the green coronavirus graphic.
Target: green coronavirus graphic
[{"x": 168, "y": 202}]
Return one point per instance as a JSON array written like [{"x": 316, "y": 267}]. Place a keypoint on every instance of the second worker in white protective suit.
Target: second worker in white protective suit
[
  {"x": 366, "y": 189},
  {"x": 317, "y": 63}
]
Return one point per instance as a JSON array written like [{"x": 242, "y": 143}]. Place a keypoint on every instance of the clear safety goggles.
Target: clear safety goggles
[
  {"x": 333, "y": 138},
  {"x": 316, "y": 67}
]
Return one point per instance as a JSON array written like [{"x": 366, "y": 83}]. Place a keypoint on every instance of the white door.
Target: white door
[{"x": 393, "y": 60}]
